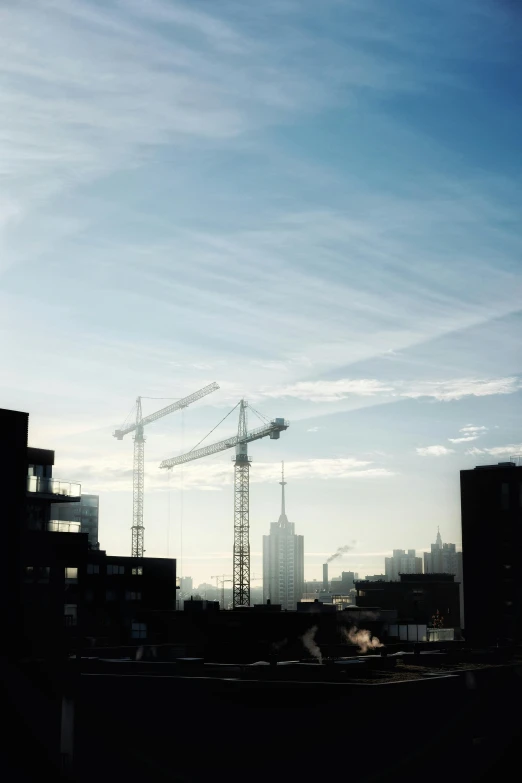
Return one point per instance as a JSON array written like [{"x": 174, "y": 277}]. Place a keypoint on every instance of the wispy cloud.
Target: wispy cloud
[
  {"x": 463, "y": 387},
  {"x": 331, "y": 391},
  {"x": 463, "y": 439},
  {"x": 434, "y": 451},
  {"x": 473, "y": 429},
  {"x": 115, "y": 475},
  {"x": 510, "y": 450}
]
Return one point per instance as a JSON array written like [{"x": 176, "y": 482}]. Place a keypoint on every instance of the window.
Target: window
[
  {"x": 93, "y": 569},
  {"x": 132, "y": 595},
  {"x": 139, "y": 630},
  {"x": 71, "y": 574},
  {"x": 89, "y": 596},
  {"x": 137, "y": 571},
  {"x": 71, "y": 614},
  {"x": 110, "y": 595},
  {"x": 43, "y": 573},
  {"x": 29, "y": 573},
  {"x": 89, "y": 501},
  {"x": 115, "y": 570},
  {"x": 504, "y": 496}
]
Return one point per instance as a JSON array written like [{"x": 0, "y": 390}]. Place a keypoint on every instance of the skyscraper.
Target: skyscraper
[
  {"x": 283, "y": 560},
  {"x": 491, "y": 506},
  {"x": 402, "y": 562},
  {"x": 443, "y": 559}
]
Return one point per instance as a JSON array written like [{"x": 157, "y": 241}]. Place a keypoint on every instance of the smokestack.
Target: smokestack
[{"x": 325, "y": 577}]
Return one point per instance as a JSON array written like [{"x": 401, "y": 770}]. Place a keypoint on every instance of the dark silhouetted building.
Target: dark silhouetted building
[
  {"x": 416, "y": 597},
  {"x": 59, "y": 590},
  {"x": 116, "y": 594},
  {"x": 491, "y": 507},
  {"x": 13, "y": 468}
]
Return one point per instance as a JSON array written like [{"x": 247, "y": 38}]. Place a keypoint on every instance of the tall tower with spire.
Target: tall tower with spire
[
  {"x": 444, "y": 559},
  {"x": 283, "y": 559}
]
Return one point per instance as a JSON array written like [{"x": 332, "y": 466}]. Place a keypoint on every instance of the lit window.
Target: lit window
[
  {"x": 71, "y": 574},
  {"x": 132, "y": 595},
  {"x": 137, "y": 571},
  {"x": 139, "y": 631},
  {"x": 93, "y": 569}
]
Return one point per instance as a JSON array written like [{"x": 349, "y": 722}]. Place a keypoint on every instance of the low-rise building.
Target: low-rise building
[{"x": 418, "y": 598}]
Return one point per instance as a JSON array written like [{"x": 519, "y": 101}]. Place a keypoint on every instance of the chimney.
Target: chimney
[{"x": 325, "y": 577}]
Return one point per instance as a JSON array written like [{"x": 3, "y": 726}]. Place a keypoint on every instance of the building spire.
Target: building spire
[
  {"x": 439, "y": 539},
  {"x": 282, "y": 518}
]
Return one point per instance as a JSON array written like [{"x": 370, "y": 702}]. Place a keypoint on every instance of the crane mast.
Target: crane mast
[
  {"x": 241, "y": 550},
  {"x": 138, "y": 481},
  {"x": 241, "y": 556},
  {"x": 138, "y": 472}
]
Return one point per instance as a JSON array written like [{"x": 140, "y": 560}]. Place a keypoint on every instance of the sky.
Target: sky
[{"x": 316, "y": 205}]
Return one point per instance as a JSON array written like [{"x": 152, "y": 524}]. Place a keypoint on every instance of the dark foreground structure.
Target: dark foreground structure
[
  {"x": 491, "y": 507},
  {"x": 103, "y": 680},
  {"x": 382, "y": 718}
]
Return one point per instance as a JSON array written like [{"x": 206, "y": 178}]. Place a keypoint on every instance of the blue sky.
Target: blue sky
[{"x": 316, "y": 205}]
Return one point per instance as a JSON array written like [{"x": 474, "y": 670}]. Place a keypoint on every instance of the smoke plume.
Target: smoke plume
[
  {"x": 341, "y": 551},
  {"x": 363, "y": 639},
  {"x": 308, "y": 640}
]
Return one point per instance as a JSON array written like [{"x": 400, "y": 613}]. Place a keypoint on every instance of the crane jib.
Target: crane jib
[{"x": 271, "y": 430}]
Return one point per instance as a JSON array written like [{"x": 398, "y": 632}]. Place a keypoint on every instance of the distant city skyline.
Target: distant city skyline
[{"x": 315, "y": 205}]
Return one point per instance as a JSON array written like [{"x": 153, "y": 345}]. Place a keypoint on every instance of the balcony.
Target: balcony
[
  {"x": 61, "y": 526},
  {"x": 53, "y": 489}
]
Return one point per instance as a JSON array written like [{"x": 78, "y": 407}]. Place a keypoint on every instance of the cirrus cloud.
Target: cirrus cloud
[
  {"x": 115, "y": 475},
  {"x": 510, "y": 450},
  {"x": 443, "y": 391},
  {"x": 434, "y": 451}
]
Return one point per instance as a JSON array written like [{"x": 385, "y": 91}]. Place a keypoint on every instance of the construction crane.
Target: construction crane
[
  {"x": 227, "y": 578},
  {"x": 138, "y": 474},
  {"x": 241, "y": 555},
  {"x": 222, "y": 578}
]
